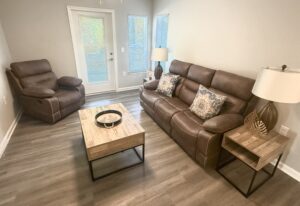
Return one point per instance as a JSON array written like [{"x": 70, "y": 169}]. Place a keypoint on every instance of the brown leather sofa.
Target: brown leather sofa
[
  {"x": 41, "y": 94},
  {"x": 200, "y": 139}
]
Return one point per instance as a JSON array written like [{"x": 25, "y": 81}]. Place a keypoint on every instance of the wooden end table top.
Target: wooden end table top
[
  {"x": 255, "y": 151},
  {"x": 100, "y": 142}
]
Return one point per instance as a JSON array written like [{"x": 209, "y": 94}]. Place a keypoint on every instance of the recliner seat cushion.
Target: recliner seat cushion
[
  {"x": 149, "y": 97},
  {"x": 185, "y": 129},
  {"x": 166, "y": 108}
]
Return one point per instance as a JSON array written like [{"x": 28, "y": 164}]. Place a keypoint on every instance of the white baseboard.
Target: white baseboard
[
  {"x": 123, "y": 89},
  {"x": 289, "y": 171},
  {"x": 10, "y": 131}
]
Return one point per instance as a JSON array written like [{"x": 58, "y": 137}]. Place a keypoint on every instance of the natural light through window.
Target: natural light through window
[
  {"x": 161, "y": 36},
  {"x": 138, "y": 43}
]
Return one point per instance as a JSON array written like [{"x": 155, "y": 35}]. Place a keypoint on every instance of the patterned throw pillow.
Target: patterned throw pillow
[
  {"x": 167, "y": 84},
  {"x": 207, "y": 104}
]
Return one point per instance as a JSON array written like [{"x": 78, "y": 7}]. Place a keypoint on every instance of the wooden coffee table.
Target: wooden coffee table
[{"x": 103, "y": 142}]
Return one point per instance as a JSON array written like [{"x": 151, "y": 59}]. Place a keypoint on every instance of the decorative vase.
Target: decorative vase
[{"x": 158, "y": 71}]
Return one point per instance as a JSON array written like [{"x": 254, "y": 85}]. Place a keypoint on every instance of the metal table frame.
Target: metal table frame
[
  {"x": 142, "y": 158},
  {"x": 250, "y": 188}
]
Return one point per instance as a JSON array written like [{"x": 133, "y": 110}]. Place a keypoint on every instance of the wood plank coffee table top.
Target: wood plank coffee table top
[{"x": 102, "y": 141}]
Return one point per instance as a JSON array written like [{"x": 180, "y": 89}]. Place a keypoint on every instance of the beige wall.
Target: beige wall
[
  {"x": 239, "y": 36},
  {"x": 40, "y": 29},
  {"x": 7, "y": 110}
]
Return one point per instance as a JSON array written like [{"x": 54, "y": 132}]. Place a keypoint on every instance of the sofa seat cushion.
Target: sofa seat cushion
[
  {"x": 185, "y": 129},
  {"x": 150, "y": 97},
  {"x": 67, "y": 97},
  {"x": 166, "y": 108}
]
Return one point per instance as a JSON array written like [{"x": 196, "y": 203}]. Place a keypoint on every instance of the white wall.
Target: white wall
[
  {"x": 40, "y": 29},
  {"x": 239, "y": 36},
  {"x": 7, "y": 110}
]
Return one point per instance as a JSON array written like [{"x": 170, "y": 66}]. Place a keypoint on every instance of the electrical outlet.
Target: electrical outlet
[
  {"x": 4, "y": 100},
  {"x": 123, "y": 50},
  {"x": 124, "y": 73},
  {"x": 284, "y": 130}
]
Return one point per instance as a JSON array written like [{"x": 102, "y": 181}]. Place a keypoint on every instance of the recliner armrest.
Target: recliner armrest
[
  {"x": 151, "y": 85},
  {"x": 69, "y": 82},
  {"x": 223, "y": 123},
  {"x": 38, "y": 92}
]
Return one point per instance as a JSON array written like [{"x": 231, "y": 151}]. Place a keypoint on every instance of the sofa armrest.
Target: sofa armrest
[
  {"x": 66, "y": 81},
  {"x": 38, "y": 92},
  {"x": 223, "y": 123},
  {"x": 151, "y": 85}
]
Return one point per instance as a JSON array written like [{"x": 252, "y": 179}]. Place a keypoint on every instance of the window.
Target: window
[
  {"x": 162, "y": 23},
  {"x": 161, "y": 37},
  {"x": 138, "y": 43}
]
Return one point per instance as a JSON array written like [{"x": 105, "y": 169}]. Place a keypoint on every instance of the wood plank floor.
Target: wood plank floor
[{"x": 46, "y": 165}]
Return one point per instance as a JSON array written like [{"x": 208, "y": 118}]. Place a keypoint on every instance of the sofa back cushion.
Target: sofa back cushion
[
  {"x": 179, "y": 68},
  {"x": 196, "y": 75},
  {"x": 238, "y": 90},
  {"x": 37, "y": 73},
  {"x": 201, "y": 75}
]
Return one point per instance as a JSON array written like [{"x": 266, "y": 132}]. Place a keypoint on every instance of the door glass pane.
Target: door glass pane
[
  {"x": 161, "y": 37},
  {"x": 138, "y": 43},
  {"x": 93, "y": 41}
]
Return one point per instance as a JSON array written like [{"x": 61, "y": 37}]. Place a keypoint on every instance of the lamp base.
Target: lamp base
[
  {"x": 268, "y": 114},
  {"x": 158, "y": 71}
]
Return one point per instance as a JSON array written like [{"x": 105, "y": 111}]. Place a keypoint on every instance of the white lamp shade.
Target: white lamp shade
[
  {"x": 278, "y": 86},
  {"x": 159, "y": 54}
]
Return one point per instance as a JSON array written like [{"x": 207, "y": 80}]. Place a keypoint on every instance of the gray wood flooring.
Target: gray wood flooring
[{"x": 46, "y": 165}]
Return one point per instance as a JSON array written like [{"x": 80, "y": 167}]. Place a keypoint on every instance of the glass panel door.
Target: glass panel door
[
  {"x": 92, "y": 34},
  {"x": 92, "y": 37}
]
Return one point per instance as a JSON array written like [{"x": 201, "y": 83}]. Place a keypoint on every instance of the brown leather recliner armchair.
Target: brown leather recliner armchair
[
  {"x": 200, "y": 139},
  {"x": 41, "y": 94}
]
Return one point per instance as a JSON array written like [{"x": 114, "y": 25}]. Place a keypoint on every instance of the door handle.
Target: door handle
[{"x": 111, "y": 59}]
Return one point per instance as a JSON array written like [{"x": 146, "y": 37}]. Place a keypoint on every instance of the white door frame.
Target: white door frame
[{"x": 76, "y": 46}]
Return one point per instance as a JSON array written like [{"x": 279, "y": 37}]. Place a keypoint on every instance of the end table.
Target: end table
[{"x": 254, "y": 151}]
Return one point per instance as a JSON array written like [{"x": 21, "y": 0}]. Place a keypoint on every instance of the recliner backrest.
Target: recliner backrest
[{"x": 37, "y": 73}]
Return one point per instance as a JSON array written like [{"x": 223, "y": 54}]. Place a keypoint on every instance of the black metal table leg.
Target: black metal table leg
[
  {"x": 251, "y": 184},
  {"x": 250, "y": 188},
  {"x": 141, "y": 158},
  {"x": 143, "y": 153}
]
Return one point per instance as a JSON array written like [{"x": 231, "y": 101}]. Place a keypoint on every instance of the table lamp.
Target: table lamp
[
  {"x": 276, "y": 85},
  {"x": 158, "y": 55}
]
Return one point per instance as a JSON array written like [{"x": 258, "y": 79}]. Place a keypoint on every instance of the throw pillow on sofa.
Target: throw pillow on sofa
[
  {"x": 207, "y": 104},
  {"x": 167, "y": 84}
]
